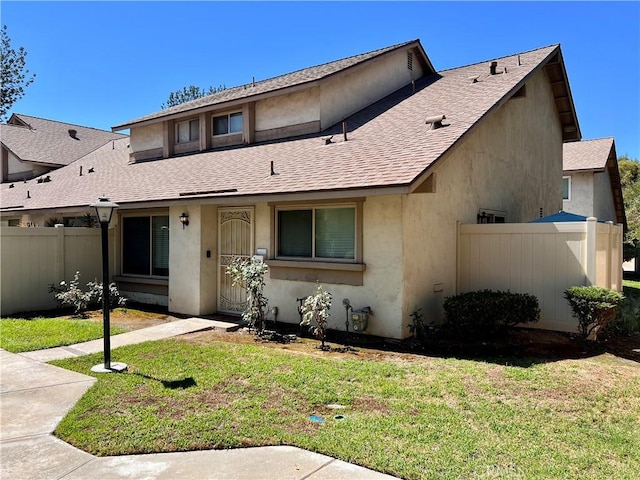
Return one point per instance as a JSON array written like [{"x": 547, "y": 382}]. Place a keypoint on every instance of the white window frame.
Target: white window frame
[
  {"x": 313, "y": 208},
  {"x": 568, "y": 178},
  {"x": 228, "y": 116},
  {"x": 188, "y": 123}
]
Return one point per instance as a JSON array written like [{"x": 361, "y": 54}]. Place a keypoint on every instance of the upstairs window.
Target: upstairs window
[
  {"x": 566, "y": 188},
  {"x": 317, "y": 233},
  {"x": 225, "y": 124},
  {"x": 188, "y": 131}
]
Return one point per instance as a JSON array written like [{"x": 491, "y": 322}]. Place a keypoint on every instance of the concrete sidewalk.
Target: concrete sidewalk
[{"x": 35, "y": 396}]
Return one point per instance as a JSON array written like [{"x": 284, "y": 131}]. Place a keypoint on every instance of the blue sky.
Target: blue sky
[{"x": 100, "y": 64}]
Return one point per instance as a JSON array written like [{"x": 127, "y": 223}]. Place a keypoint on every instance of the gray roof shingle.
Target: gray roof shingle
[{"x": 389, "y": 145}]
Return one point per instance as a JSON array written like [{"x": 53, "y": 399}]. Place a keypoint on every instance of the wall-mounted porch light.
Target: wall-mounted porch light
[{"x": 184, "y": 219}]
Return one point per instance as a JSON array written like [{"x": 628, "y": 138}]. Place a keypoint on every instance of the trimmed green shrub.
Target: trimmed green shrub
[
  {"x": 628, "y": 319},
  {"x": 487, "y": 313},
  {"x": 594, "y": 308}
]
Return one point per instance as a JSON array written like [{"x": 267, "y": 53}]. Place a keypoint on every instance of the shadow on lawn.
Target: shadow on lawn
[{"x": 171, "y": 384}]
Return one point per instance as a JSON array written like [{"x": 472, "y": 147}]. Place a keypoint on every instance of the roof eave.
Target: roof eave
[{"x": 555, "y": 68}]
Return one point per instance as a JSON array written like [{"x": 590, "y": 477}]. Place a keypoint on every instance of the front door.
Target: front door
[{"x": 235, "y": 230}]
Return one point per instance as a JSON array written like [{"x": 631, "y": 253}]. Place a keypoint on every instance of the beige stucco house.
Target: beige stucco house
[
  {"x": 354, "y": 174},
  {"x": 32, "y": 146},
  {"x": 591, "y": 181}
]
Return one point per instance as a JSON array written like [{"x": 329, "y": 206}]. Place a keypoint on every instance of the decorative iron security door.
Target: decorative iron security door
[{"x": 235, "y": 230}]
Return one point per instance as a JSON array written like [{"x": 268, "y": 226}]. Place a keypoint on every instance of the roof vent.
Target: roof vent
[
  {"x": 493, "y": 67},
  {"x": 73, "y": 134},
  {"x": 474, "y": 79},
  {"x": 435, "y": 121}
]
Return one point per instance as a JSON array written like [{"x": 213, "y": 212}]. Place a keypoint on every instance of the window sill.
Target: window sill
[
  {"x": 323, "y": 272},
  {"x": 141, "y": 280}
]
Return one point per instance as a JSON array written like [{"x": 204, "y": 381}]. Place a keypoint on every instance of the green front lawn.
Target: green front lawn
[
  {"x": 414, "y": 417},
  {"x": 25, "y": 335}
]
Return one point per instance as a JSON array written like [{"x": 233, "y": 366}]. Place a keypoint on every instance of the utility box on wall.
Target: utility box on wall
[{"x": 360, "y": 319}]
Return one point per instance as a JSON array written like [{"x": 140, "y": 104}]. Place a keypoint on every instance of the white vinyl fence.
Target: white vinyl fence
[
  {"x": 34, "y": 258},
  {"x": 542, "y": 259}
]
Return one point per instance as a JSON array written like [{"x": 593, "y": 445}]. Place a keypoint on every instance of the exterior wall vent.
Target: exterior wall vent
[{"x": 410, "y": 61}]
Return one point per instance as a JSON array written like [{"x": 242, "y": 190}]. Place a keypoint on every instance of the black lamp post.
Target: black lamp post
[{"x": 104, "y": 211}]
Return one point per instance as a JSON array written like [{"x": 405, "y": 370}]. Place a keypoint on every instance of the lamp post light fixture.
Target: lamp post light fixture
[{"x": 104, "y": 211}]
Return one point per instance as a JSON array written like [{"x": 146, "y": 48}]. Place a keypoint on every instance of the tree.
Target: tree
[
  {"x": 189, "y": 93},
  {"x": 15, "y": 77},
  {"x": 630, "y": 181}
]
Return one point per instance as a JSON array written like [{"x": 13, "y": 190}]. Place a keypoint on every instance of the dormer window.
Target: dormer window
[
  {"x": 225, "y": 124},
  {"x": 188, "y": 131}
]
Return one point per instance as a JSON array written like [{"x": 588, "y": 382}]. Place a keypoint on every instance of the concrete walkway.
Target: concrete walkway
[{"x": 35, "y": 396}]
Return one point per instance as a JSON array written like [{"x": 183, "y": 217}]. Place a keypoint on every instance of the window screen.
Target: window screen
[
  {"x": 160, "y": 245},
  {"x": 335, "y": 232}
]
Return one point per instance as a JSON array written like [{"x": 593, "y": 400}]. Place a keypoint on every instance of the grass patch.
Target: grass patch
[
  {"x": 409, "y": 416},
  {"x": 25, "y": 335},
  {"x": 632, "y": 282}
]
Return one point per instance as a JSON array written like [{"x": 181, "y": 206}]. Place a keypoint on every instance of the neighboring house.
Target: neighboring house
[
  {"x": 591, "y": 181},
  {"x": 354, "y": 174},
  {"x": 34, "y": 146}
]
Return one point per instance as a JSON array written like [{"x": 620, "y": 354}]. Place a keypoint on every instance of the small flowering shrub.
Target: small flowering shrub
[
  {"x": 316, "y": 309},
  {"x": 249, "y": 272},
  {"x": 70, "y": 294}
]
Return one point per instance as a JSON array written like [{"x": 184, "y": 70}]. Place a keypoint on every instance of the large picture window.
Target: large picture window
[
  {"x": 317, "y": 233},
  {"x": 145, "y": 245}
]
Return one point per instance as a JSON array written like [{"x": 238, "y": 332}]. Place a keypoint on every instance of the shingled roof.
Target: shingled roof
[
  {"x": 389, "y": 149},
  {"x": 586, "y": 155},
  {"x": 48, "y": 142},
  {"x": 291, "y": 80}
]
